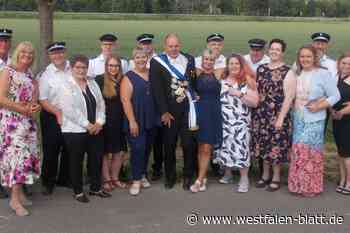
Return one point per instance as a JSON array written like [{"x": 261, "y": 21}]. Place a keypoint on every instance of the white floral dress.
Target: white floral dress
[
  {"x": 19, "y": 148},
  {"x": 234, "y": 150}
]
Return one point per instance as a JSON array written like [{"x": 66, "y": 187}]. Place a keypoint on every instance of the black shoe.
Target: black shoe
[
  {"x": 186, "y": 184},
  {"x": 81, "y": 198},
  {"x": 47, "y": 190},
  {"x": 156, "y": 176},
  {"x": 3, "y": 193},
  {"x": 64, "y": 184},
  {"x": 101, "y": 193}
]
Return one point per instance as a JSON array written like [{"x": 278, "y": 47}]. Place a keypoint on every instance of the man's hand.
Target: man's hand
[
  {"x": 166, "y": 119},
  {"x": 59, "y": 117}
]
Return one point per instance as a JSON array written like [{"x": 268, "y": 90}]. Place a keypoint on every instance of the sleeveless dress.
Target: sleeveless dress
[
  {"x": 234, "y": 151},
  {"x": 19, "y": 147},
  {"x": 268, "y": 143},
  {"x": 341, "y": 128},
  {"x": 114, "y": 137},
  {"x": 143, "y": 103},
  {"x": 209, "y": 109}
]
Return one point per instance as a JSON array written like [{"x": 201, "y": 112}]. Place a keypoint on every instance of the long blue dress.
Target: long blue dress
[{"x": 209, "y": 109}]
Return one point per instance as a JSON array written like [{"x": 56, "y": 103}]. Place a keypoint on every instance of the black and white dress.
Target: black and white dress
[{"x": 234, "y": 150}]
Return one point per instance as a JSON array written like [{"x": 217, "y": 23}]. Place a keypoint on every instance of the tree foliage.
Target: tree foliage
[{"x": 327, "y": 8}]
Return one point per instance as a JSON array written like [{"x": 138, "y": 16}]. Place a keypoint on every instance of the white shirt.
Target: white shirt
[
  {"x": 3, "y": 63},
  {"x": 97, "y": 66},
  {"x": 220, "y": 62},
  {"x": 132, "y": 63},
  {"x": 180, "y": 63},
  {"x": 73, "y": 107},
  {"x": 51, "y": 82},
  {"x": 330, "y": 64},
  {"x": 254, "y": 66}
]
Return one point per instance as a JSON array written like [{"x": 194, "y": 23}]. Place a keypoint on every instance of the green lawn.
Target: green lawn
[{"x": 82, "y": 37}]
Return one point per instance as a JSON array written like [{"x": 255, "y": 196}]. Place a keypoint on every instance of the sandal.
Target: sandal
[
  {"x": 274, "y": 189},
  {"x": 345, "y": 191},
  {"x": 19, "y": 210},
  {"x": 339, "y": 189},
  {"x": 262, "y": 183},
  {"x": 108, "y": 186},
  {"x": 119, "y": 184}
]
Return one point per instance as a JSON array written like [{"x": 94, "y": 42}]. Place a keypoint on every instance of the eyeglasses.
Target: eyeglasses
[
  {"x": 113, "y": 66},
  {"x": 80, "y": 67}
]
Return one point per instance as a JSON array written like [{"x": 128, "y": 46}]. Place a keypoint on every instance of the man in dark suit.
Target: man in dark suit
[{"x": 172, "y": 75}]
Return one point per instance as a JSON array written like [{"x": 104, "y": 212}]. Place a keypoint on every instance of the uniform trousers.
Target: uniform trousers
[
  {"x": 179, "y": 127},
  {"x": 54, "y": 152}
]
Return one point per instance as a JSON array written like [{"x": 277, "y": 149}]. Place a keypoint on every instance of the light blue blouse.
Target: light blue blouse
[{"x": 322, "y": 85}]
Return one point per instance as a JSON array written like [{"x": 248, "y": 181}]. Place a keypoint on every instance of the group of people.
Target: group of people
[{"x": 227, "y": 111}]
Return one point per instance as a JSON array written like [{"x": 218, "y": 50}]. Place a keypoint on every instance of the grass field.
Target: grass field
[{"x": 82, "y": 35}]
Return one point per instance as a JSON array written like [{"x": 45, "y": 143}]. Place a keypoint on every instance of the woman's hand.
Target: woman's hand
[
  {"x": 134, "y": 129},
  {"x": 313, "y": 106},
  {"x": 278, "y": 124},
  {"x": 91, "y": 129},
  {"x": 235, "y": 92},
  {"x": 337, "y": 115},
  {"x": 98, "y": 128},
  {"x": 24, "y": 108},
  {"x": 34, "y": 108}
]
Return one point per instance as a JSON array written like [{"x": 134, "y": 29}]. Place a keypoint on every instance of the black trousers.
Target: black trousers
[
  {"x": 54, "y": 152},
  {"x": 158, "y": 151},
  {"x": 77, "y": 145},
  {"x": 179, "y": 127}
]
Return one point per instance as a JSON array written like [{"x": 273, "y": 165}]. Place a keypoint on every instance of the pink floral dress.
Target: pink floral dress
[{"x": 19, "y": 148}]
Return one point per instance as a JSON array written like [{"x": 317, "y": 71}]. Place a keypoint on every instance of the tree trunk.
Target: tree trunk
[{"x": 46, "y": 9}]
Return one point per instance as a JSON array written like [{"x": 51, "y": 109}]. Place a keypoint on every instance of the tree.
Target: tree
[
  {"x": 164, "y": 6},
  {"x": 46, "y": 9},
  {"x": 147, "y": 6},
  {"x": 311, "y": 8}
]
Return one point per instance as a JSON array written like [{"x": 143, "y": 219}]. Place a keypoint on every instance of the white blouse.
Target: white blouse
[{"x": 73, "y": 107}]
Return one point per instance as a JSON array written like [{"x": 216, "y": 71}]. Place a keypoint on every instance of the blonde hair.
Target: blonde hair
[
  {"x": 138, "y": 50},
  {"x": 109, "y": 90},
  {"x": 314, "y": 52},
  {"x": 339, "y": 60},
  {"x": 207, "y": 52},
  {"x": 20, "y": 47}
]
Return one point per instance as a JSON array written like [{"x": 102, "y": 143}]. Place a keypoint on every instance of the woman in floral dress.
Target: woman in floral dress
[
  {"x": 315, "y": 92},
  {"x": 238, "y": 95},
  {"x": 19, "y": 150},
  {"x": 272, "y": 122}
]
